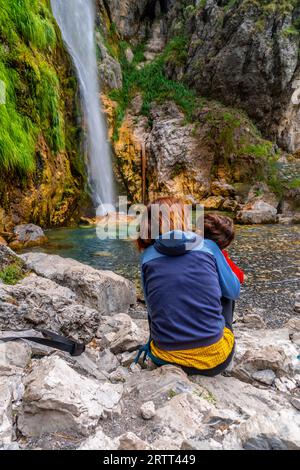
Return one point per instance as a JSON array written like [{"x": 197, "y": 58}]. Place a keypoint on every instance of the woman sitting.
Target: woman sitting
[{"x": 189, "y": 290}]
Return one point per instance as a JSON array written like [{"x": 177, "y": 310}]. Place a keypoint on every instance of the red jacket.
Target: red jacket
[{"x": 237, "y": 271}]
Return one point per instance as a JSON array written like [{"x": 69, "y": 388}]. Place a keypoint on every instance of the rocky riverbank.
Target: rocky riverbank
[{"x": 101, "y": 400}]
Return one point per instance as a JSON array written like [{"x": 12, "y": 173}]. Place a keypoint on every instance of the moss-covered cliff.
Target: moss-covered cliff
[{"x": 41, "y": 168}]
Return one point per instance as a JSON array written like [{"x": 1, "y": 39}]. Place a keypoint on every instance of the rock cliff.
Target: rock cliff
[
  {"x": 189, "y": 70},
  {"x": 197, "y": 93}
]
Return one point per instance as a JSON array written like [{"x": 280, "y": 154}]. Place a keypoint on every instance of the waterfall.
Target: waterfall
[{"x": 76, "y": 19}]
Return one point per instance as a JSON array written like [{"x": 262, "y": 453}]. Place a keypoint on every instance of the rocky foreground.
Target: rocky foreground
[{"x": 101, "y": 400}]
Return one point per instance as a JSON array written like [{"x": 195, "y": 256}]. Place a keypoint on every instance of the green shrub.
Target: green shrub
[
  {"x": 12, "y": 274},
  {"x": 295, "y": 183},
  {"x": 258, "y": 150},
  {"x": 290, "y": 31},
  {"x": 151, "y": 81},
  {"x": 177, "y": 51}
]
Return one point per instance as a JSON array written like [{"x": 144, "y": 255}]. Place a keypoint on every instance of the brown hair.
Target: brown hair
[
  {"x": 220, "y": 229},
  {"x": 153, "y": 219}
]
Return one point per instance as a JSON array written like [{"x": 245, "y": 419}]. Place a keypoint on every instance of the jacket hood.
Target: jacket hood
[{"x": 177, "y": 243}]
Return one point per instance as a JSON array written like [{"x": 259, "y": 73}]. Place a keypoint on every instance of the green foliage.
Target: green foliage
[
  {"x": 12, "y": 274},
  {"x": 33, "y": 105},
  {"x": 177, "y": 50},
  {"x": 151, "y": 81},
  {"x": 17, "y": 132},
  {"x": 262, "y": 150},
  {"x": 235, "y": 138},
  {"x": 206, "y": 395},
  {"x": 266, "y": 7},
  {"x": 229, "y": 5},
  {"x": 48, "y": 98},
  {"x": 178, "y": 169},
  {"x": 224, "y": 126},
  {"x": 273, "y": 179},
  {"x": 295, "y": 183},
  {"x": 30, "y": 20},
  {"x": 110, "y": 41},
  {"x": 291, "y": 31},
  {"x": 189, "y": 11},
  {"x": 171, "y": 394}
]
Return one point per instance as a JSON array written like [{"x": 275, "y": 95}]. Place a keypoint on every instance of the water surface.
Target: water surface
[{"x": 269, "y": 255}]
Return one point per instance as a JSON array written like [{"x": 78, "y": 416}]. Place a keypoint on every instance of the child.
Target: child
[{"x": 220, "y": 229}]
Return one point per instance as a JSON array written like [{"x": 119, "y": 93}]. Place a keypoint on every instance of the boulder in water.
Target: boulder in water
[
  {"x": 259, "y": 212},
  {"x": 27, "y": 236}
]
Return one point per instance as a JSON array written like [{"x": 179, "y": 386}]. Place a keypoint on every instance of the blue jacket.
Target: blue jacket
[{"x": 184, "y": 278}]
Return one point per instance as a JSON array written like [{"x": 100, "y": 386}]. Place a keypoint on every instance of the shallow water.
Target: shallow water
[{"x": 269, "y": 255}]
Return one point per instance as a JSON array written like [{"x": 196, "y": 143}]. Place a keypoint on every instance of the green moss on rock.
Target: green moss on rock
[
  {"x": 12, "y": 274},
  {"x": 41, "y": 156}
]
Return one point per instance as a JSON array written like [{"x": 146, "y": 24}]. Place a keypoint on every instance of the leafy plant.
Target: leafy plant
[
  {"x": 259, "y": 150},
  {"x": 295, "y": 183},
  {"x": 12, "y": 274},
  {"x": 151, "y": 81}
]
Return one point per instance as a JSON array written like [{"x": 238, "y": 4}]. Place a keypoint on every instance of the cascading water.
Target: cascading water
[{"x": 76, "y": 19}]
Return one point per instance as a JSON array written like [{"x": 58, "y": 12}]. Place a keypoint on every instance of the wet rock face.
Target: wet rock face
[
  {"x": 247, "y": 55},
  {"x": 50, "y": 193}
]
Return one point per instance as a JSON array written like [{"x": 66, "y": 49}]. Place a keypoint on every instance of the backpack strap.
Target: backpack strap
[{"x": 52, "y": 340}]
